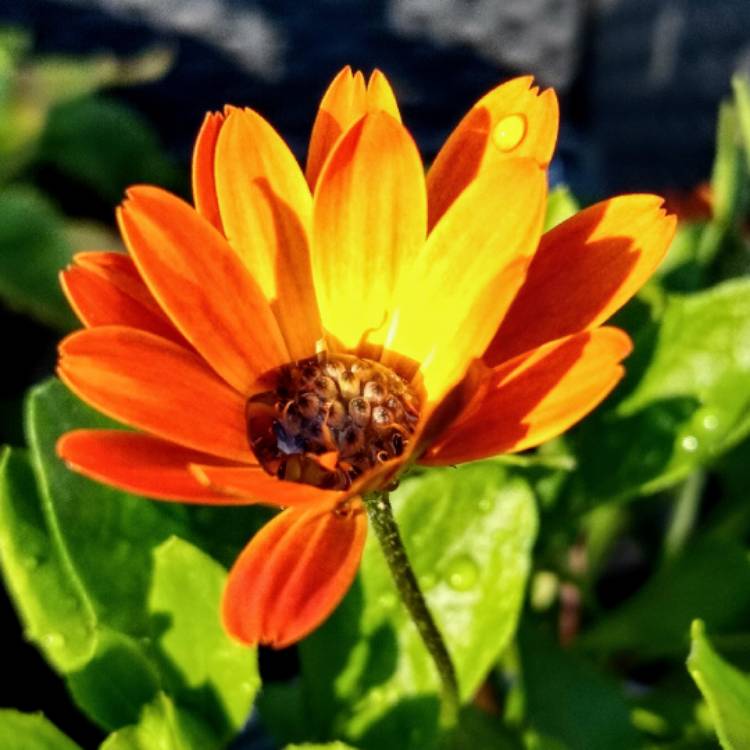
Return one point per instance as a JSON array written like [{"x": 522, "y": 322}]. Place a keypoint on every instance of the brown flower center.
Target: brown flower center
[{"x": 326, "y": 420}]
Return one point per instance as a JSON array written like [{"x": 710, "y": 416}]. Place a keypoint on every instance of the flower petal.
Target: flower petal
[
  {"x": 480, "y": 140},
  {"x": 256, "y": 486},
  {"x": 368, "y": 221},
  {"x": 202, "y": 285},
  {"x": 204, "y": 185},
  {"x": 139, "y": 463},
  {"x": 293, "y": 573},
  {"x": 346, "y": 101},
  {"x": 265, "y": 208},
  {"x": 157, "y": 386},
  {"x": 105, "y": 289},
  {"x": 535, "y": 397},
  {"x": 449, "y": 306},
  {"x": 585, "y": 269},
  {"x": 380, "y": 96}
]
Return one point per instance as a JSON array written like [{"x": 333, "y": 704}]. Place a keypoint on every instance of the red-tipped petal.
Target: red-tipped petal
[
  {"x": 534, "y": 397},
  {"x": 202, "y": 285},
  {"x": 256, "y": 486},
  {"x": 204, "y": 183},
  {"x": 584, "y": 270},
  {"x": 140, "y": 463},
  {"x": 154, "y": 385},
  {"x": 293, "y": 573},
  {"x": 105, "y": 289}
]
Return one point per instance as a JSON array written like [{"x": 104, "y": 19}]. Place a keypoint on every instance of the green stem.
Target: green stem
[
  {"x": 381, "y": 516},
  {"x": 684, "y": 513}
]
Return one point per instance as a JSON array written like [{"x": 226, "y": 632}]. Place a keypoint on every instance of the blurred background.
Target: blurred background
[{"x": 99, "y": 94}]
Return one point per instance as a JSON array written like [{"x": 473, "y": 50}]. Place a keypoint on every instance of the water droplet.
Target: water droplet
[
  {"x": 710, "y": 421},
  {"x": 509, "y": 132},
  {"x": 53, "y": 640},
  {"x": 462, "y": 573},
  {"x": 31, "y": 562},
  {"x": 689, "y": 443},
  {"x": 485, "y": 505}
]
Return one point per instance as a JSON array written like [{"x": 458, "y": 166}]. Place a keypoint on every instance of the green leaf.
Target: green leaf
[
  {"x": 561, "y": 205},
  {"x": 326, "y": 746},
  {"x": 106, "y": 146},
  {"x": 33, "y": 249},
  {"x": 709, "y": 579},
  {"x": 741, "y": 89},
  {"x": 726, "y": 690},
  {"x": 56, "y": 614},
  {"x": 19, "y": 731},
  {"x": 685, "y": 401},
  {"x": 162, "y": 726},
  {"x": 569, "y": 700},
  {"x": 468, "y": 533},
  {"x": 151, "y": 612},
  {"x": 217, "y": 677}
]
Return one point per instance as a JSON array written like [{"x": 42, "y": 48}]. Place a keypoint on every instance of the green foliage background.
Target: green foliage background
[{"x": 515, "y": 555}]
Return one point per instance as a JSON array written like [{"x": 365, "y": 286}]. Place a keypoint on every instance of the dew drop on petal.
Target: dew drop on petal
[
  {"x": 462, "y": 573},
  {"x": 509, "y": 132}
]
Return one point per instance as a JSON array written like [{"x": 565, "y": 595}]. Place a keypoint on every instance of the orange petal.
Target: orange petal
[
  {"x": 105, "y": 289},
  {"x": 585, "y": 269},
  {"x": 368, "y": 221},
  {"x": 202, "y": 285},
  {"x": 346, "y": 101},
  {"x": 256, "y": 486},
  {"x": 450, "y": 304},
  {"x": 513, "y": 120},
  {"x": 139, "y": 463},
  {"x": 535, "y": 397},
  {"x": 293, "y": 573},
  {"x": 204, "y": 186},
  {"x": 265, "y": 208},
  {"x": 157, "y": 386}
]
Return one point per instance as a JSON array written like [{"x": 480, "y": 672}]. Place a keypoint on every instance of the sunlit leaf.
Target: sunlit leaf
[
  {"x": 19, "y": 731},
  {"x": 162, "y": 726},
  {"x": 686, "y": 399},
  {"x": 726, "y": 690}
]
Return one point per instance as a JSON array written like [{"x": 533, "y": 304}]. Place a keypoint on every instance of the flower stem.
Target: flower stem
[{"x": 381, "y": 516}]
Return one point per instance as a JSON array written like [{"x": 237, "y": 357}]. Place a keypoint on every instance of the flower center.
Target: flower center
[{"x": 329, "y": 419}]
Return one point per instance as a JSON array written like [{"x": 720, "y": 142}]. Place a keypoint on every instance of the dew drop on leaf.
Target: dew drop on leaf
[{"x": 462, "y": 573}]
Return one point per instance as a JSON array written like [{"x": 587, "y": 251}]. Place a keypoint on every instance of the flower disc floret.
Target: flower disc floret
[{"x": 327, "y": 420}]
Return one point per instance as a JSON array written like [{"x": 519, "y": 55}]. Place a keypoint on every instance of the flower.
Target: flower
[{"x": 300, "y": 339}]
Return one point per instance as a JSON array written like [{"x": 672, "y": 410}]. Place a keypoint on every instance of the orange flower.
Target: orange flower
[{"x": 299, "y": 340}]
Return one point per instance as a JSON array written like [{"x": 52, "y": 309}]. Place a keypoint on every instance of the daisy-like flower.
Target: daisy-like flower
[{"x": 299, "y": 339}]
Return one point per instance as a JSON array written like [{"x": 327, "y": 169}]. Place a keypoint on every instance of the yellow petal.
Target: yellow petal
[
  {"x": 369, "y": 219},
  {"x": 450, "y": 304}
]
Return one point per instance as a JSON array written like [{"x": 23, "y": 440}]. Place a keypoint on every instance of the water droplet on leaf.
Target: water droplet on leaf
[
  {"x": 462, "y": 573},
  {"x": 690, "y": 443}
]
